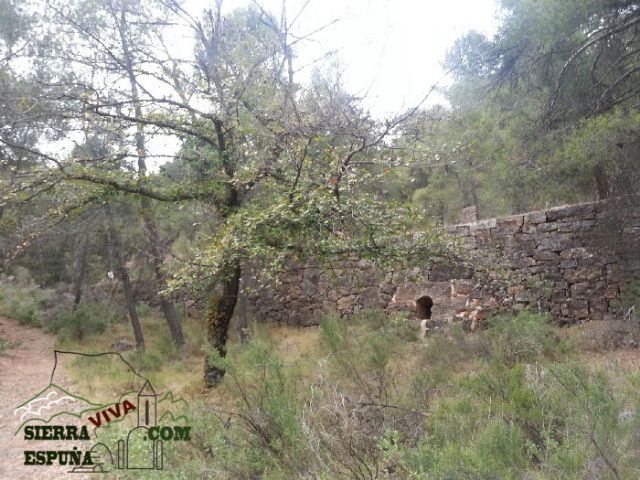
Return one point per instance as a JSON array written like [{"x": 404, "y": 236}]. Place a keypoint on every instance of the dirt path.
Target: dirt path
[{"x": 25, "y": 369}]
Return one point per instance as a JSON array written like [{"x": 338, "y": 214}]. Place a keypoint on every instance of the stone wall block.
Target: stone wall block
[
  {"x": 534, "y": 218},
  {"x": 461, "y": 287},
  {"x": 579, "y": 290},
  {"x": 546, "y": 256},
  {"x": 611, "y": 291},
  {"x": 578, "y": 308},
  {"x": 508, "y": 241},
  {"x": 559, "y": 296},
  {"x": 577, "y": 226},
  {"x": 410, "y": 292},
  {"x": 568, "y": 264},
  {"x": 524, "y": 262},
  {"x": 598, "y": 305},
  {"x": 526, "y": 296},
  {"x": 345, "y": 303},
  {"x": 580, "y": 274},
  {"x": 440, "y": 273},
  {"x": 555, "y": 243},
  {"x": 509, "y": 225},
  {"x": 585, "y": 211},
  {"x": 515, "y": 289},
  {"x": 558, "y": 246},
  {"x": 547, "y": 227},
  {"x": 371, "y": 298},
  {"x": 553, "y": 274},
  {"x": 482, "y": 225},
  {"x": 575, "y": 253}
]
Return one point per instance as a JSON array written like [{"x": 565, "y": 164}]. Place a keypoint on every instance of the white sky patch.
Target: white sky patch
[{"x": 391, "y": 50}]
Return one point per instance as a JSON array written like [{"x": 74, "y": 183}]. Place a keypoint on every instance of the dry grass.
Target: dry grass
[
  {"x": 437, "y": 378},
  {"x": 603, "y": 336},
  {"x": 294, "y": 344},
  {"x": 181, "y": 372}
]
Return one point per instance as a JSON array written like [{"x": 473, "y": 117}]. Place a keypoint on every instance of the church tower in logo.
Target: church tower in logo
[
  {"x": 139, "y": 452},
  {"x": 147, "y": 406}
]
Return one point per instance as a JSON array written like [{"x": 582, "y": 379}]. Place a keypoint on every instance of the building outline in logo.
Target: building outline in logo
[{"x": 141, "y": 448}]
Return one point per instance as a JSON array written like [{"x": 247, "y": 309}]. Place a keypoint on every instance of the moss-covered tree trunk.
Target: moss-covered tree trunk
[
  {"x": 221, "y": 308},
  {"x": 219, "y": 314}
]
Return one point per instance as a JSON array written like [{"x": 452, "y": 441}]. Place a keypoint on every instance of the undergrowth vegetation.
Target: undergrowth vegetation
[
  {"x": 87, "y": 319},
  {"x": 24, "y": 302},
  {"x": 32, "y": 305},
  {"x": 367, "y": 398},
  {"x": 513, "y": 401}
]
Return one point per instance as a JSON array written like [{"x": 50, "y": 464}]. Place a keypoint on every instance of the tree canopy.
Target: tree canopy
[{"x": 281, "y": 167}]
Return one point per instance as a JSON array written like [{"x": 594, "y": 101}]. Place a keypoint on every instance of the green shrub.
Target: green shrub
[
  {"x": 146, "y": 361},
  {"x": 143, "y": 309},
  {"x": 377, "y": 320},
  {"x": 88, "y": 319},
  {"x": 333, "y": 333},
  {"x": 523, "y": 338},
  {"x": 268, "y": 439},
  {"x": 371, "y": 318},
  {"x": 606, "y": 335},
  {"x": 24, "y": 303},
  {"x": 7, "y": 344},
  {"x": 630, "y": 296},
  {"x": 508, "y": 403},
  {"x": 360, "y": 353},
  {"x": 449, "y": 349}
]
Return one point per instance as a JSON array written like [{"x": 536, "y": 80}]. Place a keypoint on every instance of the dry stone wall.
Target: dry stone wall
[{"x": 564, "y": 260}]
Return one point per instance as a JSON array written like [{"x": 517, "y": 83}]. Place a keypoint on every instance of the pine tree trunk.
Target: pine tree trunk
[
  {"x": 156, "y": 247},
  {"x": 131, "y": 307},
  {"x": 167, "y": 306},
  {"x": 602, "y": 181},
  {"x": 80, "y": 269},
  {"x": 122, "y": 272},
  {"x": 219, "y": 315}
]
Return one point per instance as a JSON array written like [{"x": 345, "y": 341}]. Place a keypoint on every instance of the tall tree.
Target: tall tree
[
  {"x": 284, "y": 165},
  {"x": 543, "y": 112},
  {"x": 118, "y": 256}
]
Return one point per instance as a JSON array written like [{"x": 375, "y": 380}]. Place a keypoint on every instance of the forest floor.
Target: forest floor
[
  {"x": 25, "y": 369},
  {"x": 26, "y": 364},
  {"x": 28, "y": 358}
]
